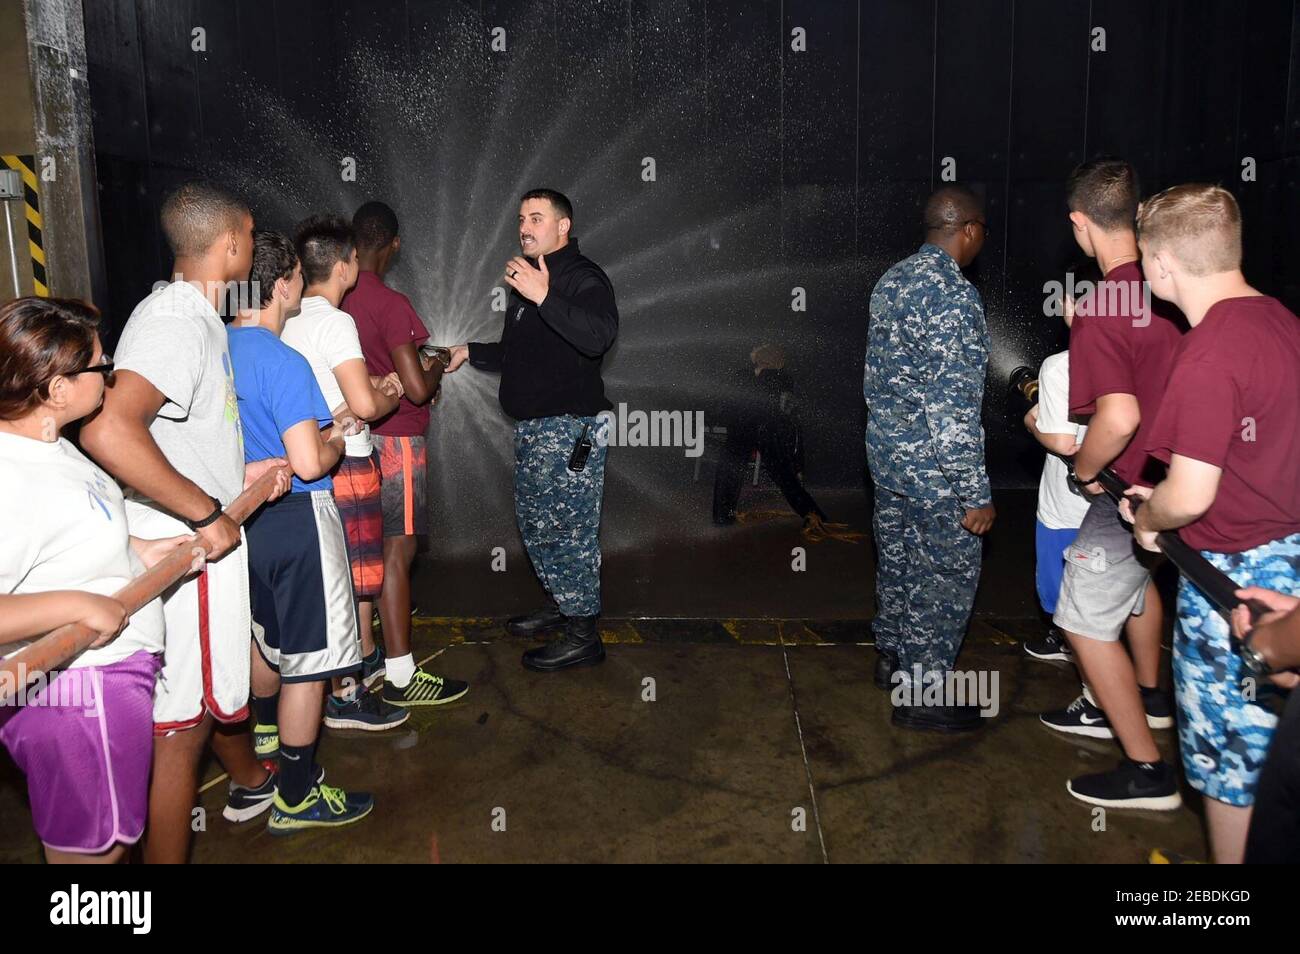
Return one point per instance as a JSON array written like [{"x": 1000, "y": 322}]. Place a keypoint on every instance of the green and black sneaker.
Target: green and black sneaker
[
  {"x": 324, "y": 807},
  {"x": 266, "y": 741},
  {"x": 425, "y": 689}
]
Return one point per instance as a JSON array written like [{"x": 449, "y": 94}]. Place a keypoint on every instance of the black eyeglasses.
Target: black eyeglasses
[
  {"x": 980, "y": 222},
  {"x": 105, "y": 368}
]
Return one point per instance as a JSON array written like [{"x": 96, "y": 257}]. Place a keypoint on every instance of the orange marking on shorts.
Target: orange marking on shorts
[{"x": 408, "y": 479}]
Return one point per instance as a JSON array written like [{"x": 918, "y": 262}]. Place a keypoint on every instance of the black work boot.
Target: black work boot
[
  {"x": 535, "y": 624},
  {"x": 579, "y": 645},
  {"x": 886, "y": 666},
  {"x": 937, "y": 718}
]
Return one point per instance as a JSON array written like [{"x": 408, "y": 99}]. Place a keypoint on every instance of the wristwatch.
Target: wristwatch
[{"x": 1251, "y": 657}]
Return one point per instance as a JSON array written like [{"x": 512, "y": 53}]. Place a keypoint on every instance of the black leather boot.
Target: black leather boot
[
  {"x": 535, "y": 624},
  {"x": 579, "y": 645},
  {"x": 886, "y": 666},
  {"x": 937, "y": 718}
]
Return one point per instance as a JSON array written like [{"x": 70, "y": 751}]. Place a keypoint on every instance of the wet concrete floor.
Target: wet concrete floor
[{"x": 715, "y": 735}]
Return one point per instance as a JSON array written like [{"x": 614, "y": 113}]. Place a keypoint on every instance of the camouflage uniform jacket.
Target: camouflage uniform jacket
[{"x": 924, "y": 381}]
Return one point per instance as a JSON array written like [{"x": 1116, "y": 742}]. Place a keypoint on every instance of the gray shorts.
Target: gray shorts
[{"x": 1106, "y": 575}]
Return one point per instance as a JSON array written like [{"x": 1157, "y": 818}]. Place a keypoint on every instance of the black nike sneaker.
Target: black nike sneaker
[
  {"x": 1080, "y": 717},
  {"x": 1152, "y": 786},
  {"x": 1159, "y": 708},
  {"x": 1053, "y": 647}
]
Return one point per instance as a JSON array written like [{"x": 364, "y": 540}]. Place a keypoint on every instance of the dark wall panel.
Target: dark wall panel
[
  {"x": 774, "y": 168},
  {"x": 222, "y": 121},
  {"x": 1266, "y": 63},
  {"x": 121, "y": 111},
  {"x": 170, "y": 89},
  {"x": 1127, "y": 81},
  {"x": 895, "y": 126},
  {"x": 1202, "y": 91}
]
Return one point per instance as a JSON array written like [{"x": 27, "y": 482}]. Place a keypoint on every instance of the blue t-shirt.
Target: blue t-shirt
[{"x": 276, "y": 390}]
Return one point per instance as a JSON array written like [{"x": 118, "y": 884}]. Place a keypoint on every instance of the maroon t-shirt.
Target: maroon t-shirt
[
  {"x": 386, "y": 320},
  {"x": 1122, "y": 341},
  {"x": 1234, "y": 401}
]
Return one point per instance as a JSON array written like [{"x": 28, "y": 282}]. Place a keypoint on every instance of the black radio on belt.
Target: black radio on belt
[{"x": 581, "y": 451}]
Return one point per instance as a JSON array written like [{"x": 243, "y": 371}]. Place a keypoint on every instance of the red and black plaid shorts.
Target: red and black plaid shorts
[
  {"x": 402, "y": 463},
  {"x": 359, "y": 496}
]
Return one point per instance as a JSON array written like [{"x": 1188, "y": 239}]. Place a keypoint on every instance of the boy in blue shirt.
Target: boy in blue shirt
[{"x": 305, "y": 624}]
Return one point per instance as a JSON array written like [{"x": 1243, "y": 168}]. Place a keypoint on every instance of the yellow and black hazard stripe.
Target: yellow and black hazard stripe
[{"x": 25, "y": 166}]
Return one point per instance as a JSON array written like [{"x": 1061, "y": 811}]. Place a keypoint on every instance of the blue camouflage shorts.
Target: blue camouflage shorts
[{"x": 1225, "y": 721}]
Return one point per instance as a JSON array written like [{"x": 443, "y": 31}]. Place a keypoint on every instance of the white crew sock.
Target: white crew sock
[{"x": 400, "y": 670}]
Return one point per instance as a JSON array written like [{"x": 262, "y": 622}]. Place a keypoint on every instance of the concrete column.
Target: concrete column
[{"x": 46, "y": 115}]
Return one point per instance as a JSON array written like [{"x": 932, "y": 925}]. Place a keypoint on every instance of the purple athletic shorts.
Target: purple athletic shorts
[{"x": 85, "y": 743}]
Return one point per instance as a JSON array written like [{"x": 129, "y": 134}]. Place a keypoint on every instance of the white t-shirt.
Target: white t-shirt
[
  {"x": 176, "y": 340},
  {"x": 65, "y": 529},
  {"x": 1060, "y": 506},
  {"x": 327, "y": 337}
]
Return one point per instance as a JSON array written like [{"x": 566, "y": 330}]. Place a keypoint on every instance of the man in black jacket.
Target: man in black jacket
[{"x": 560, "y": 320}]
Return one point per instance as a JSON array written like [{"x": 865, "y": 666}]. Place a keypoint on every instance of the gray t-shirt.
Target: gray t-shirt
[{"x": 175, "y": 339}]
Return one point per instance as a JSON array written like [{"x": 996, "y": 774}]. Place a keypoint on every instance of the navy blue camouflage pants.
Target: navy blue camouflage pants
[
  {"x": 558, "y": 511},
  {"x": 927, "y": 569}
]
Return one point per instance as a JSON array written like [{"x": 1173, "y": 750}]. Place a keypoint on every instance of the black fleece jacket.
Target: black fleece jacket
[{"x": 549, "y": 356}]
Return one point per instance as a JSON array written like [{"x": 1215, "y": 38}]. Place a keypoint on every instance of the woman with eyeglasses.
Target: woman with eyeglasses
[{"x": 84, "y": 736}]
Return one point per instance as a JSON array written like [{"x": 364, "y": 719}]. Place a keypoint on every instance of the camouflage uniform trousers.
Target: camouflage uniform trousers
[
  {"x": 927, "y": 569},
  {"x": 558, "y": 511},
  {"x": 1224, "y": 727}
]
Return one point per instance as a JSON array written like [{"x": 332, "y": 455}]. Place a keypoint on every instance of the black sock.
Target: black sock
[
  {"x": 373, "y": 657},
  {"x": 267, "y": 709},
  {"x": 297, "y": 772}
]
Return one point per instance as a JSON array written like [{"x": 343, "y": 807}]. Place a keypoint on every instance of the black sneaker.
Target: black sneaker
[
  {"x": 372, "y": 667},
  {"x": 364, "y": 711},
  {"x": 425, "y": 689},
  {"x": 1051, "y": 648},
  {"x": 1152, "y": 786},
  {"x": 1159, "y": 708},
  {"x": 243, "y": 803},
  {"x": 1080, "y": 717}
]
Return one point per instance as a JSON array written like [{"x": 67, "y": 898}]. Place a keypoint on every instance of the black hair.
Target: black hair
[
  {"x": 322, "y": 241},
  {"x": 1104, "y": 189},
  {"x": 559, "y": 201},
  {"x": 949, "y": 207},
  {"x": 196, "y": 213},
  {"x": 274, "y": 257},
  {"x": 374, "y": 225}
]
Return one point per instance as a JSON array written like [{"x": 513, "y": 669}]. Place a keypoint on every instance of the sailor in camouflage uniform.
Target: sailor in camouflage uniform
[
  {"x": 924, "y": 388},
  {"x": 558, "y": 510},
  {"x": 561, "y": 318}
]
